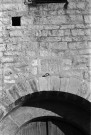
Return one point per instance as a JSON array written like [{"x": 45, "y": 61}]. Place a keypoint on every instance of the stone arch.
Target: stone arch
[{"x": 48, "y": 103}]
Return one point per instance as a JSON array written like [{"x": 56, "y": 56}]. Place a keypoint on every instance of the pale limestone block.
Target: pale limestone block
[
  {"x": 66, "y": 39},
  {"x": 84, "y": 89},
  {"x": 34, "y": 71},
  {"x": 66, "y": 62},
  {"x": 85, "y": 51},
  {"x": 34, "y": 62},
  {"x": 72, "y": 45},
  {"x": 81, "y": 5},
  {"x": 59, "y": 45},
  {"x": 55, "y": 83},
  {"x": 76, "y": 19},
  {"x": 58, "y": 19},
  {"x": 67, "y": 32},
  {"x": 74, "y": 85},
  {"x": 72, "y": 5},
  {"x": 87, "y": 18},
  {"x": 88, "y": 32},
  {"x": 2, "y": 47},
  {"x": 7, "y": 59},
  {"x": 43, "y": 66},
  {"x": 44, "y": 53},
  {"x": 64, "y": 84},
  {"x": 60, "y": 32},
  {"x": 69, "y": 26},
  {"x": 16, "y": 33},
  {"x": 62, "y": 45},
  {"x": 13, "y": 93},
  {"x": 76, "y": 32},
  {"x": 48, "y": 78},
  {"x": 9, "y": 81},
  {"x": 43, "y": 85}
]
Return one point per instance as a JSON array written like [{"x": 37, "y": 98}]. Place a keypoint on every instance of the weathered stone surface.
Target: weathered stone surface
[
  {"x": 49, "y": 40},
  {"x": 55, "y": 83},
  {"x": 43, "y": 85},
  {"x": 63, "y": 84},
  {"x": 8, "y": 127},
  {"x": 74, "y": 85}
]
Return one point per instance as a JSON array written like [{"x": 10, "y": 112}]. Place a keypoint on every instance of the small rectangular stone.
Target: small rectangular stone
[
  {"x": 76, "y": 32},
  {"x": 87, "y": 18},
  {"x": 58, "y": 19},
  {"x": 15, "y": 33},
  {"x": 81, "y": 5},
  {"x": 69, "y": 26},
  {"x": 88, "y": 32},
  {"x": 76, "y": 19},
  {"x": 85, "y": 51},
  {"x": 61, "y": 33},
  {"x": 7, "y": 59},
  {"x": 72, "y": 45},
  {"x": 43, "y": 86},
  {"x": 67, "y": 32},
  {"x": 72, "y": 5},
  {"x": 67, "y": 38}
]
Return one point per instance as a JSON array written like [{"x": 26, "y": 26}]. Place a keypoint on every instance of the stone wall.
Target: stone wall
[{"x": 49, "y": 40}]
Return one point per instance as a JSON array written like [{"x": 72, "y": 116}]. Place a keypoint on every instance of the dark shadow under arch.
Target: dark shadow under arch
[
  {"x": 66, "y": 127},
  {"x": 71, "y": 107}
]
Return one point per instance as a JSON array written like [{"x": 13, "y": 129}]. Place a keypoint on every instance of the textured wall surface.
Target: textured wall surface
[{"x": 49, "y": 40}]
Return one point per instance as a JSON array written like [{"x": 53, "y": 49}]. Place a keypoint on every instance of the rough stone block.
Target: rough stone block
[
  {"x": 61, "y": 33},
  {"x": 58, "y": 20},
  {"x": 34, "y": 71},
  {"x": 88, "y": 32},
  {"x": 44, "y": 53},
  {"x": 85, "y": 51},
  {"x": 67, "y": 32},
  {"x": 43, "y": 85},
  {"x": 7, "y": 59},
  {"x": 63, "y": 84},
  {"x": 55, "y": 83},
  {"x": 87, "y": 18},
  {"x": 67, "y": 26},
  {"x": 72, "y": 5},
  {"x": 58, "y": 45},
  {"x": 72, "y": 45},
  {"x": 74, "y": 85},
  {"x": 66, "y": 38},
  {"x": 2, "y": 47},
  {"x": 76, "y": 19},
  {"x": 16, "y": 33},
  {"x": 81, "y": 5},
  {"x": 13, "y": 92},
  {"x": 76, "y": 32}
]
